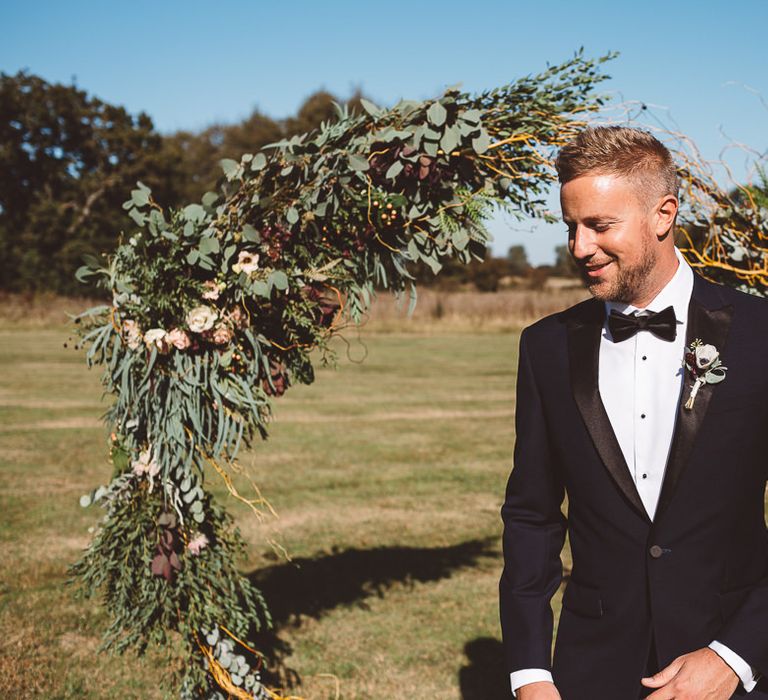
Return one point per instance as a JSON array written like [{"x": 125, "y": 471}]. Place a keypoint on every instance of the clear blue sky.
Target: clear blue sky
[{"x": 191, "y": 63}]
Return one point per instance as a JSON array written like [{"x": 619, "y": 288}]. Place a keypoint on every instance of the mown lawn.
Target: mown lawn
[{"x": 387, "y": 475}]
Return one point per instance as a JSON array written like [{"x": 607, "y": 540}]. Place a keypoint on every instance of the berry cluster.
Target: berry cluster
[{"x": 274, "y": 237}]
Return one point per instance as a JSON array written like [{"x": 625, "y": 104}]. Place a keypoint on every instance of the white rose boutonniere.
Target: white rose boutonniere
[
  {"x": 704, "y": 367},
  {"x": 201, "y": 318}
]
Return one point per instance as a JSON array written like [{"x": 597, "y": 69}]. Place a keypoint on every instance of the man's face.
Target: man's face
[{"x": 609, "y": 236}]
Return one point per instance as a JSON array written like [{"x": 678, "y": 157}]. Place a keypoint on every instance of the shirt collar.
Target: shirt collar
[{"x": 676, "y": 293}]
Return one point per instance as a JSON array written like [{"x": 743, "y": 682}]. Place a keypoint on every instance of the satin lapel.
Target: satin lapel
[
  {"x": 584, "y": 334},
  {"x": 711, "y": 326}
]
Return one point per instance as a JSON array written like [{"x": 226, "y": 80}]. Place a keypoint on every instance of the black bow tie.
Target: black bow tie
[{"x": 662, "y": 324}]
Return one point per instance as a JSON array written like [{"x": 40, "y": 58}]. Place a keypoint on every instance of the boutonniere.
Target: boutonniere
[{"x": 704, "y": 367}]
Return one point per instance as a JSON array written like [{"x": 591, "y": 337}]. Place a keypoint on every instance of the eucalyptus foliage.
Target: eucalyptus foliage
[{"x": 217, "y": 307}]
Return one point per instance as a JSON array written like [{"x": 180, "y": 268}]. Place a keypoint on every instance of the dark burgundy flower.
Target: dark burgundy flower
[
  {"x": 166, "y": 561},
  {"x": 278, "y": 374},
  {"x": 327, "y": 300}
]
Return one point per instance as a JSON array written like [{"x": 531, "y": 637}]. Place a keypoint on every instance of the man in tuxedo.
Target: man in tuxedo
[{"x": 668, "y": 593}]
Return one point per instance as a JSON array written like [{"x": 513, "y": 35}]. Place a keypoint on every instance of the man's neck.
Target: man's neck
[{"x": 663, "y": 280}]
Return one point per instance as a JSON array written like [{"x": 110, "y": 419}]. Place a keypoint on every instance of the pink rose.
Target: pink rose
[
  {"x": 212, "y": 289},
  {"x": 239, "y": 318},
  {"x": 222, "y": 334},
  {"x": 197, "y": 543},
  {"x": 178, "y": 338}
]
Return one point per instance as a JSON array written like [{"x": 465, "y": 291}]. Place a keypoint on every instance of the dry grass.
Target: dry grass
[
  {"x": 436, "y": 311},
  {"x": 40, "y": 310},
  {"x": 387, "y": 475},
  {"x": 439, "y": 311}
]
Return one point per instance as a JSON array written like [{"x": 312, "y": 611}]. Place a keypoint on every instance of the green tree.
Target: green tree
[
  {"x": 485, "y": 275},
  {"x": 66, "y": 163},
  {"x": 517, "y": 259},
  {"x": 564, "y": 264},
  {"x": 198, "y": 154}
]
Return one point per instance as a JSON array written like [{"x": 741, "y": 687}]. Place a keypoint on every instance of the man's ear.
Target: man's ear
[{"x": 664, "y": 215}]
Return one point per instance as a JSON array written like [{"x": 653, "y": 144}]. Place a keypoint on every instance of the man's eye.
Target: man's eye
[{"x": 601, "y": 227}]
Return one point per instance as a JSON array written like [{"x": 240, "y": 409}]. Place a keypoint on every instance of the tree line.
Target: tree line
[{"x": 69, "y": 160}]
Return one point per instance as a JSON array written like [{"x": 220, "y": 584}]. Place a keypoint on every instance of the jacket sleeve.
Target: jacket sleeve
[
  {"x": 745, "y": 631},
  {"x": 533, "y": 533},
  {"x": 747, "y": 674}
]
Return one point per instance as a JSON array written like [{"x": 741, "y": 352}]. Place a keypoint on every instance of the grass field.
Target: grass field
[{"x": 387, "y": 476}]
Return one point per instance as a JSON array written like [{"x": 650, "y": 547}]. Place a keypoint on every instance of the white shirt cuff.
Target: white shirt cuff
[
  {"x": 528, "y": 675},
  {"x": 740, "y": 667}
]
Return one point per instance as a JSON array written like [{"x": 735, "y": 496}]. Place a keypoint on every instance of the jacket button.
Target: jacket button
[{"x": 656, "y": 551}]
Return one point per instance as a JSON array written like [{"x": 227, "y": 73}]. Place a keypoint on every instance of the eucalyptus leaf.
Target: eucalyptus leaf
[
  {"x": 471, "y": 115},
  {"x": 460, "y": 239},
  {"x": 715, "y": 376},
  {"x": 258, "y": 162},
  {"x": 140, "y": 198},
  {"x": 394, "y": 170},
  {"x": 194, "y": 212},
  {"x": 229, "y": 167},
  {"x": 279, "y": 279},
  {"x": 209, "y": 199},
  {"x": 358, "y": 163},
  {"x": 436, "y": 114},
  {"x": 83, "y": 273},
  {"x": 250, "y": 234},
  {"x": 369, "y": 107},
  {"x": 434, "y": 264},
  {"x": 260, "y": 287},
  {"x": 450, "y": 139},
  {"x": 137, "y": 216},
  {"x": 208, "y": 246},
  {"x": 430, "y": 148},
  {"x": 480, "y": 143}
]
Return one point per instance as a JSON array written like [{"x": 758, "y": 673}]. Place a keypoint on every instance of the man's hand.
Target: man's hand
[
  {"x": 540, "y": 690},
  {"x": 700, "y": 675}
]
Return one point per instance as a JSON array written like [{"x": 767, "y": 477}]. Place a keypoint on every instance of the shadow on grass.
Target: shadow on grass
[
  {"x": 484, "y": 677},
  {"x": 313, "y": 586}
]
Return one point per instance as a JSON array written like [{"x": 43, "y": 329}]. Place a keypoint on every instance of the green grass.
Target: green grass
[{"x": 387, "y": 476}]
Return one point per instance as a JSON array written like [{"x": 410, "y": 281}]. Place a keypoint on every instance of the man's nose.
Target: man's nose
[{"x": 583, "y": 245}]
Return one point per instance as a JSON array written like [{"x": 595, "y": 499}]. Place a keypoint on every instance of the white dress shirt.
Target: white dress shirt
[{"x": 640, "y": 380}]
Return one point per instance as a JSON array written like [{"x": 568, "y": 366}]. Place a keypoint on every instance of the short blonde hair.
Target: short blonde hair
[{"x": 620, "y": 150}]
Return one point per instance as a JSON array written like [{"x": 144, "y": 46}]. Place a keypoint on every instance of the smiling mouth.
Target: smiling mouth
[{"x": 596, "y": 270}]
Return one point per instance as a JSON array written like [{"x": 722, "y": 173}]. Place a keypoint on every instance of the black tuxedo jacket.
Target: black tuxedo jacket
[{"x": 698, "y": 571}]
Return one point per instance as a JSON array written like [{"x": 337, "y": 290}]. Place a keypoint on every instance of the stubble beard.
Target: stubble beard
[{"x": 628, "y": 284}]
